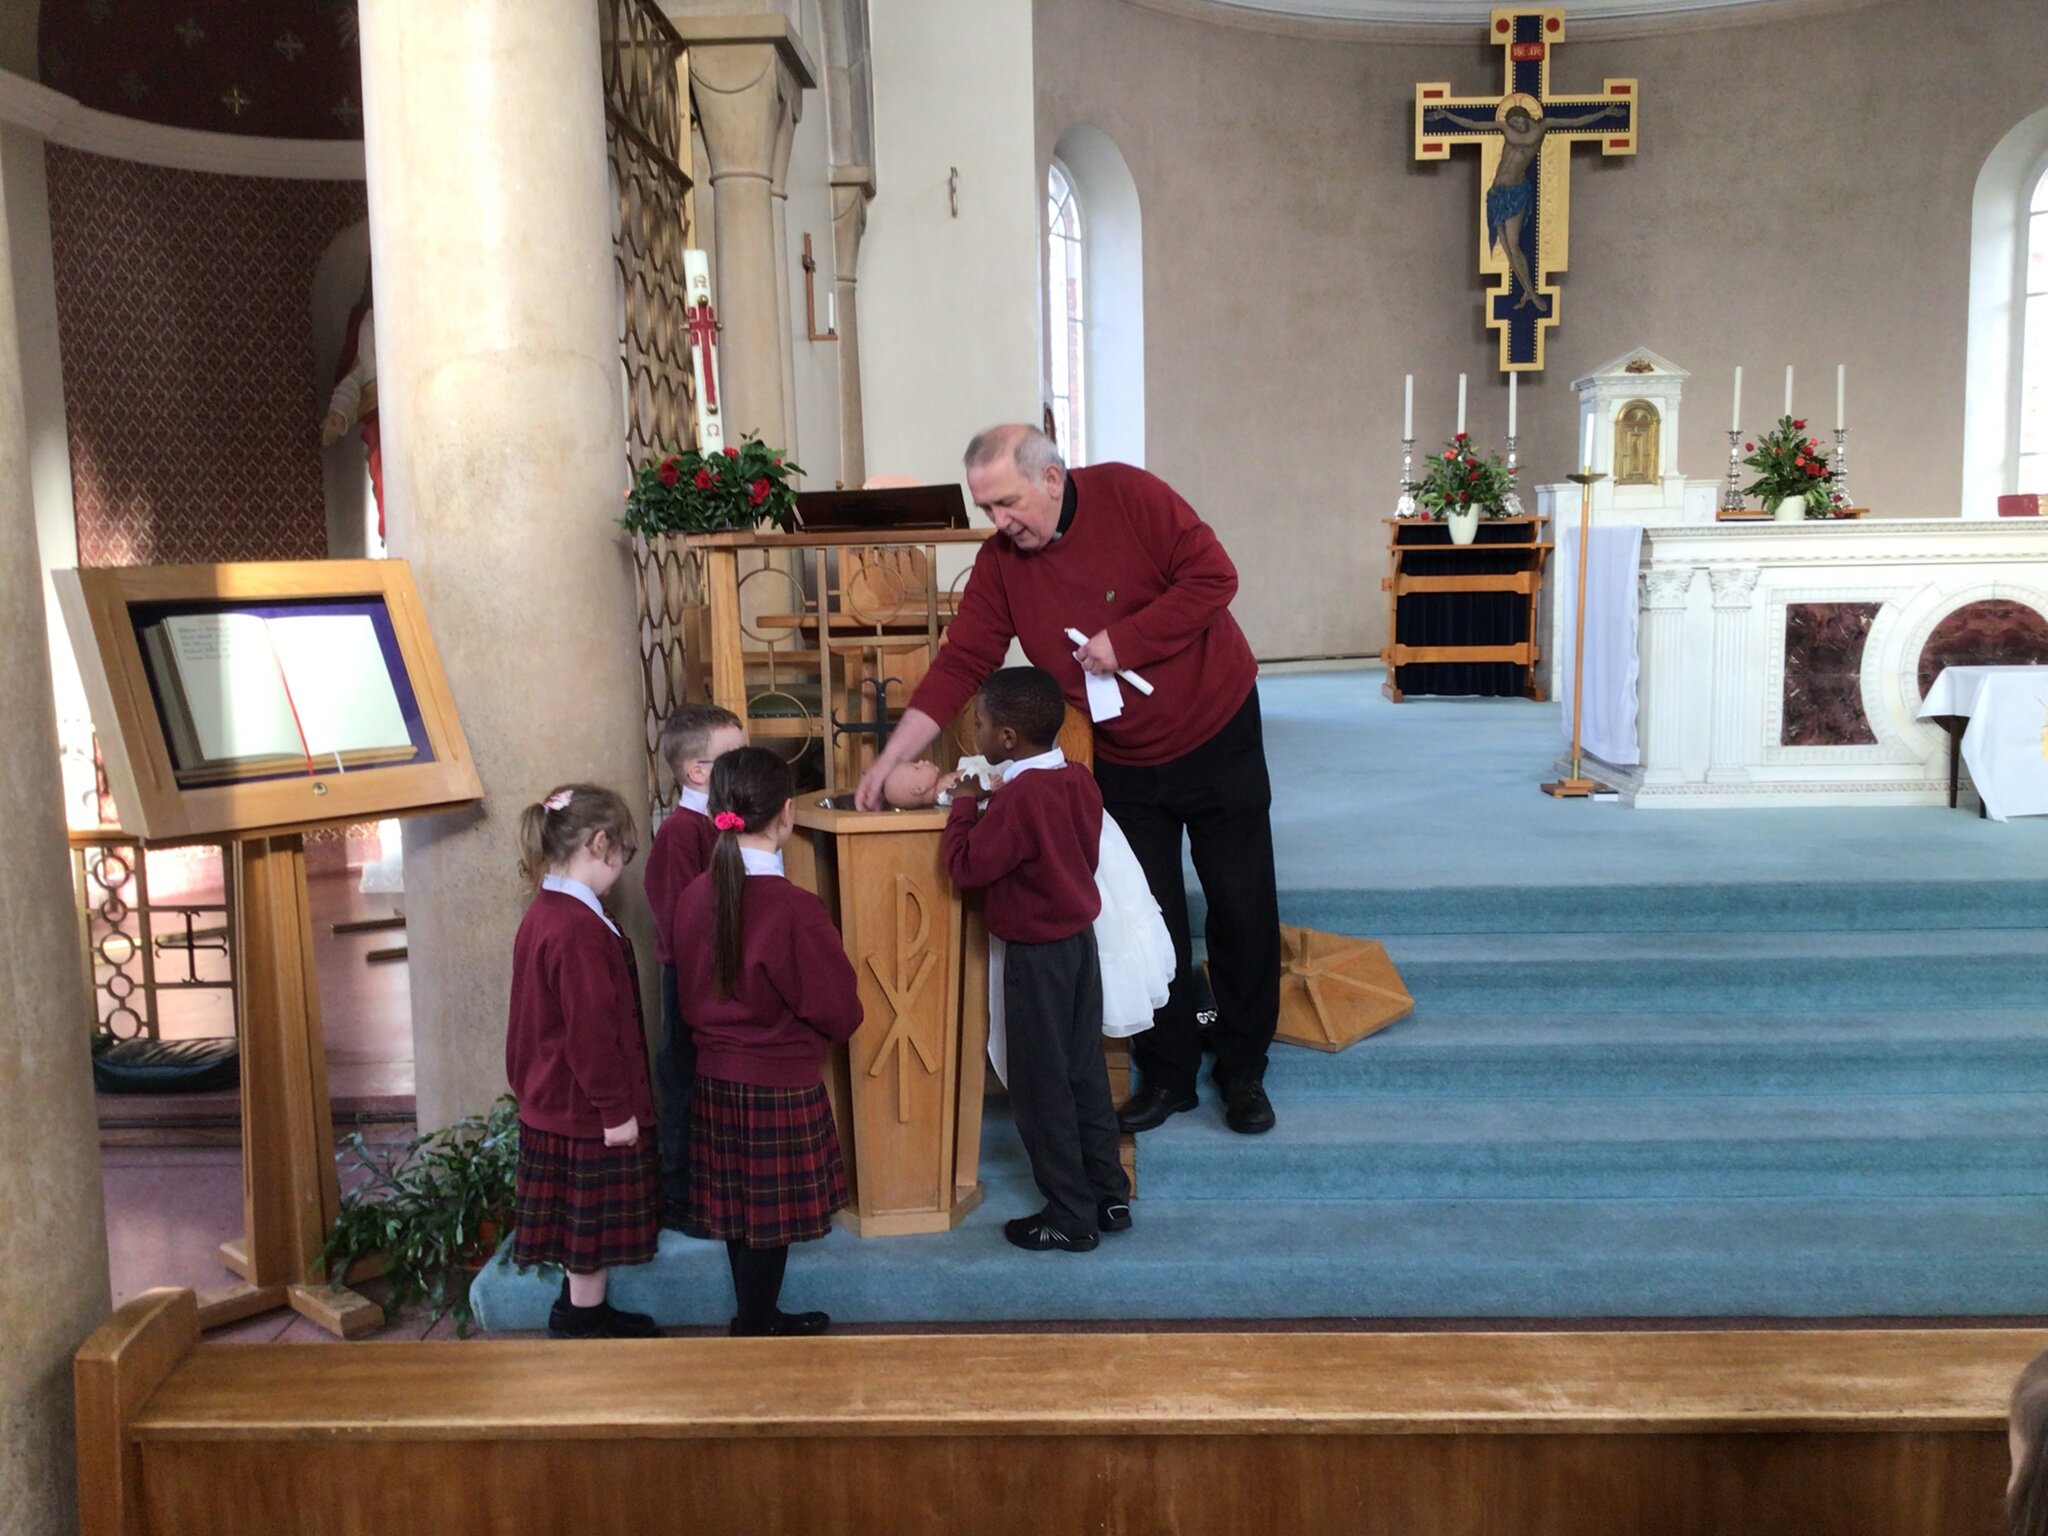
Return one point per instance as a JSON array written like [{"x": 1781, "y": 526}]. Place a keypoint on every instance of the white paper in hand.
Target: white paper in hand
[{"x": 1105, "y": 699}]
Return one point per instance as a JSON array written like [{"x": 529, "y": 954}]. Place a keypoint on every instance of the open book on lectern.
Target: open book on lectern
[{"x": 244, "y": 695}]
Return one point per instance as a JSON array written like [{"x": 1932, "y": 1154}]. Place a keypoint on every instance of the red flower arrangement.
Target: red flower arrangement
[
  {"x": 1458, "y": 479},
  {"x": 691, "y": 492},
  {"x": 1790, "y": 464}
]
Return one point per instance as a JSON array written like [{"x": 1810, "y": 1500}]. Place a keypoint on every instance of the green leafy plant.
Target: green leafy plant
[
  {"x": 690, "y": 492},
  {"x": 1459, "y": 480},
  {"x": 1790, "y": 464},
  {"x": 432, "y": 1208}
]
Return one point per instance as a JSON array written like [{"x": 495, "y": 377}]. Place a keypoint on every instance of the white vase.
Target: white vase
[
  {"x": 1464, "y": 525},
  {"x": 1791, "y": 510}
]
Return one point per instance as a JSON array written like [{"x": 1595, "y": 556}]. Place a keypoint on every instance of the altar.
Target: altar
[{"x": 1785, "y": 663}]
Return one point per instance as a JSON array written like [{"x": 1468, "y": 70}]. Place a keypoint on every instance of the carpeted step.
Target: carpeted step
[
  {"x": 1792, "y": 972},
  {"x": 1435, "y": 1054},
  {"x": 1328, "y": 1150},
  {"x": 1516, "y": 1258}
]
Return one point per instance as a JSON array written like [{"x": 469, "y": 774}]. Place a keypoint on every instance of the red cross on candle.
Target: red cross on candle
[{"x": 704, "y": 337}]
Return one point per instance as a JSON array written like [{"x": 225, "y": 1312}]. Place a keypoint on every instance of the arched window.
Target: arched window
[
  {"x": 2033, "y": 433},
  {"x": 1066, "y": 325}
]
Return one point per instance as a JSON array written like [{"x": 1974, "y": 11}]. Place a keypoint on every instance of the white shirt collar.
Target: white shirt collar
[
  {"x": 698, "y": 800},
  {"x": 583, "y": 893},
  {"x": 1054, "y": 758},
  {"x": 761, "y": 862}
]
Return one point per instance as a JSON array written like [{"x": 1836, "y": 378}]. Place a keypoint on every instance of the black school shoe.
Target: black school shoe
[
  {"x": 1246, "y": 1109},
  {"x": 1037, "y": 1234},
  {"x": 1113, "y": 1215},
  {"x": 603, "y": 1321},
  {"x": 785, "y": 1325}
]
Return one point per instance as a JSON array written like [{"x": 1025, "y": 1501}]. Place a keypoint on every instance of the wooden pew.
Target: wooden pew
[{"x": 1810, "y": 1433}]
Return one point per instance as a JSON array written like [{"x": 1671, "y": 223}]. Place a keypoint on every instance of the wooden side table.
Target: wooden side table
[{"x": 1462, "y": 617}]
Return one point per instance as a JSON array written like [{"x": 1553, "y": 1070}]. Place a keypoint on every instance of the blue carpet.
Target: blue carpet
[{"x": 1663, "y": 1063}]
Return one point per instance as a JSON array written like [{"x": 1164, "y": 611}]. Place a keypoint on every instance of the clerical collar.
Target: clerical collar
[
  {"x": 696, "y": 800},
  {"x": 562, "y": 885},
  {"x": 1066, "y": 506},
  {"x": 760, "y": 861}
]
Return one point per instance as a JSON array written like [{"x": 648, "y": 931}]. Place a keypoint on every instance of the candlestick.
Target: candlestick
[
  {"x": 1731, "y": 494},
  {"x": 1735, "y": 419},
  {"x": 1841, "y": 392},
  {"x": 1788, "y": 389},
  {"x": 1511, "y": 504},
  {"x": 1512, "y": 378},
  {"x": 1840, "y": 485},
  {"x": 1576, "y": 786},
  {"x": 1586, "y": 448},
  {"x": 1461, "y": 402},
  {"x": 1405, "y": 506},
  {"x": 1408, "y": 409}
]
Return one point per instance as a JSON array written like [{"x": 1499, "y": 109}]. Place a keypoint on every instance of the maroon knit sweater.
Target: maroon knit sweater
[
  {"x": 681, "y": 852},
  {"x": 1138, "y": 562},
  {"x": 1034, "y": 847},
  {"x": 796, "y": 995},
  {"x": 575, "y": 1056}
]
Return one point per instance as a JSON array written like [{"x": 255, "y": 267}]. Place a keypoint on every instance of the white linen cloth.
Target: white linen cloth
[
  {"x": 1607, "y": 726},
  {"x": 2005, "y": 744},
  {"x": 1131, "y": 942}
]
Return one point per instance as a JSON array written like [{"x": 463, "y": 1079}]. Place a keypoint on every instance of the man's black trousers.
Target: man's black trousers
[{"x": 1219, "y": 797}]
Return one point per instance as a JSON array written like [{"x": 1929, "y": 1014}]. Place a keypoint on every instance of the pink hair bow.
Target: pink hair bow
[{"x": 559, "y": 800}]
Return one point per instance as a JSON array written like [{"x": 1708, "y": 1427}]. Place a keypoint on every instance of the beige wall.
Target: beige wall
[
  {"x": 949, "y": 306},
  {"x": 1802, "y": 196}
]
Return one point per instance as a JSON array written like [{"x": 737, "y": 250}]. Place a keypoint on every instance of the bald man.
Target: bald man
[{"x": 1115, "y": 553}]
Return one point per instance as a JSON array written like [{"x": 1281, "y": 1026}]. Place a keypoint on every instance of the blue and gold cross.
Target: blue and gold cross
[{"x": 1525, "y": 137}]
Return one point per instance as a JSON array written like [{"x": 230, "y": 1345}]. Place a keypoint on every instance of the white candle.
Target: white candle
[
  {"x": 1841, "y": 391},
  {"x": 1512, "y": 379},
  {"x": 1586, "y": 449},
  {"x": 1461, "y": 402},
  {"x": 1735, "y": 420},
  {"x": 1408, "y": 409},
  {"x": 1788, "y": 389}
]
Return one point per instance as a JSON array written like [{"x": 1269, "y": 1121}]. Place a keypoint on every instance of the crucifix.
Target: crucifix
[
  {"x": 1525, "y": 137},
  {"x": 702, "y": 323}
]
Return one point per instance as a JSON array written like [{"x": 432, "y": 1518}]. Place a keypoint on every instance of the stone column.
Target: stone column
[
  {"x": 1728, "y": 756},
  {"x": 785, "y": 335},
  {"x": 504, "y": 459},
  {"x": 747, "y": 79},
  {"x": 1661, "y": 697},
  {"x": 53, "y": 1239},
  {"x": 852, "y": 187}
]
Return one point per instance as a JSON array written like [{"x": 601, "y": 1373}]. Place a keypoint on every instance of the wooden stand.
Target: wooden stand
[
  {"x": 907, "y": 1089},
  {"x": 1484, "y": 592},
  {"x": 1335, "y": 990},
  {"x": 1577, "y": 786},
  {"x": 289, "y": 1194}
]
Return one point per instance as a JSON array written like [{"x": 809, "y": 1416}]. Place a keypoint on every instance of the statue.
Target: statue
[{"x": 354, "y": 400}]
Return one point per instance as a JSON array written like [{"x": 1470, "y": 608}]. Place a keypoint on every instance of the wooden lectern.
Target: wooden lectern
[
  {"x": 907, "y": 1089},
  {"x": 249, "y": 704}
]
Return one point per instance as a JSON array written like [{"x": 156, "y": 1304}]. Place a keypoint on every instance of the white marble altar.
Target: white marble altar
[{"x": 1782, "y": 663}]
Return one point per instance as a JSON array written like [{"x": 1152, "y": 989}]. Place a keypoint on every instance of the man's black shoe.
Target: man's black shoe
[
  {"x": 1039, "y": 1235},
  {"x": 1148, "y": 1108},
  {"x": 1246, "y": 1109},
  {"x": 1113, "y": 1215}
]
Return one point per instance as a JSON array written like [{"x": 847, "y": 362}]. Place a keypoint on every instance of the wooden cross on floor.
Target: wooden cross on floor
[{"x": 1525, "y": 137}]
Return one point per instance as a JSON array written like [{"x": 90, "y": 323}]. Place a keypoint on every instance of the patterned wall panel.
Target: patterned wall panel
[
  {"x": 1824, "y": 645},
  {"x": 184, "y": 316}
]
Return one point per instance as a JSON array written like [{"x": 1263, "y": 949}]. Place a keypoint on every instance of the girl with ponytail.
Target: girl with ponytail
[
  {"x": 764, "y": 980},
  {"x": 576, "y": 1057}
]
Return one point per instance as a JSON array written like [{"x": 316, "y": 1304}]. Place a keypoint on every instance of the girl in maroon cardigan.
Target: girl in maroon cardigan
[
  {"x": 576, "y": 1057},
  {"x": 764, "y": 980}
]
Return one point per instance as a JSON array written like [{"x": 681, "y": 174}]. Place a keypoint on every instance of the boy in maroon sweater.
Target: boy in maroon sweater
[
  {"x": 1034, "y": 848},
  {"x": 692, "y": 739}
]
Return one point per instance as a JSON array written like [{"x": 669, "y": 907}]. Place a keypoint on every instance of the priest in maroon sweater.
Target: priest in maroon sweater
[{"x": 1115, "y": 553}]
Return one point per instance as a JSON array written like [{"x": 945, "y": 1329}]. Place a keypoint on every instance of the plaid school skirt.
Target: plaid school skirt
[
  {"x": 764, "y": 1164},
  {"x": 584, "y": 1205}
]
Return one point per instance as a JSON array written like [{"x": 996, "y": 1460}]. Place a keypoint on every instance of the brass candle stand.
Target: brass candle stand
[{"x": 1577, "y": 786}]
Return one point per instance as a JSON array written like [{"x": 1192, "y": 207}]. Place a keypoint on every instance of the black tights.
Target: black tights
[{"x": 756, "y": 1282}]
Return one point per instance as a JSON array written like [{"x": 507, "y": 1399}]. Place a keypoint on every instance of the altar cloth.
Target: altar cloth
[{"x": 2005, "y": 745}]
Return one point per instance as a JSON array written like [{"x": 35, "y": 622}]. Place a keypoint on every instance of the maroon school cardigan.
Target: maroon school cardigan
[
  {"x": 1138, "y": 562},
  {"x": 575, "y": 1056},
  {"x": 681, "y": 852},
  {"x": 795, "y": 996},
  {"x": 1035, "y": 848}
]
